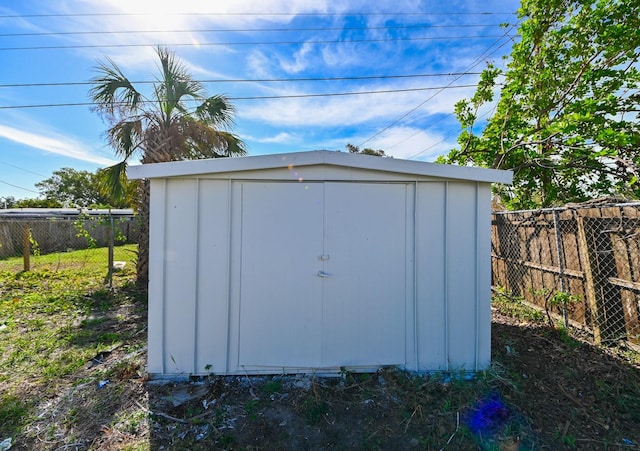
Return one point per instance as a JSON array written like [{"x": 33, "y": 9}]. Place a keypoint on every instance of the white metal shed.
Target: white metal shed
[{"x": 318, "y": 262}]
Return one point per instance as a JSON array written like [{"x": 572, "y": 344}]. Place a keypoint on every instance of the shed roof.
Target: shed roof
[{"x": 316, "y": 157}]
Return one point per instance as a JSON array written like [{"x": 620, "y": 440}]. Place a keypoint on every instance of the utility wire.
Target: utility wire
[
  {"x": 19, "y": 187},
  {"x": 408, "y": 113},
  {"x": 291, "y": 96},
  {"x": 22, "y": 169},
  {"x": 261, "y": 14},
  {"x": 255, "y": 80},
  {"x": 212, "y": 44},
  {"x": 247, "y": 30}
]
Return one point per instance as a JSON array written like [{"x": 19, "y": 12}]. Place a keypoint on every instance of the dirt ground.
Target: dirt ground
[{"x": 545, "y": 390}]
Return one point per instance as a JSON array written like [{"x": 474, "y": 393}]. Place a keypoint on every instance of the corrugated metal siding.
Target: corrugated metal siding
[{"x": 211, "y": 309}]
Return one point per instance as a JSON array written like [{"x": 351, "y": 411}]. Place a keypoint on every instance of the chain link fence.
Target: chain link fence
[
  {"x": 580, "y": 264},
  {"x": 59, "y": 239}
]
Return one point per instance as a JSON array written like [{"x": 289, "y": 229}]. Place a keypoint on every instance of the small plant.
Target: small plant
[
  {"x": 82, "y": 232},
  {"x": 272, "y": 387},
  {"x": 515, "y": 307},
  {"x": 314, "y": 410},
  {"x": 35, "y": 247}
]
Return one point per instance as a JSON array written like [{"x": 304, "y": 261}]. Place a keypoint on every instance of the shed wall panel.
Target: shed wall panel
[
  {"x": 431, "y": 208},
  {"x": 155, "y": 351},
  {"x": 181, "y": 219},
  {"x": 212, "y": 307},
  {"x": 483, "y": 290},
  {"x": 462, "y": 275}
]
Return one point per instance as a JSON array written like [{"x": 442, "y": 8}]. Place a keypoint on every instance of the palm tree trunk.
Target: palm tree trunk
[{"x": 142, "y": 266}]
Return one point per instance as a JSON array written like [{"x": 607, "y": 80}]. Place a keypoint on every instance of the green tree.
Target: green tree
[
  {"x": 176, "y": 121},
  {"x": 75, "y": 188},
  {"x": 70, "y": 187},
  {"x": 366, "y": 151},
  {"x": 37, "y": 203},
  {"x": 7, "y": 201},
  {"x": 566, "y": 121}
]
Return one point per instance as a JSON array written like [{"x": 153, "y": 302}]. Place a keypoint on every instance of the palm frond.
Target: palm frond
[
  {"x": 175, "y": 84},
  {"x": 204, "y": 141},
  {"x": 126, "y": 137},
  {"x": 113, "y": 180},
  {"x": 217, "y": 111},
  {"x": 235, "y": 146},
  {"x": 112, "y": 89}
]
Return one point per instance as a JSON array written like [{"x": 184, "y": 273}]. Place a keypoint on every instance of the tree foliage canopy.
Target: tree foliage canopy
[
  {"x": 68, "y": 186},
  {"x": 567, "y": 119},
  {"x": 366, "y": 151}
]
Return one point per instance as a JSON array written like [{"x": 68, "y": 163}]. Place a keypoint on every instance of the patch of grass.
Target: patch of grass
[
  {"x": 315, "y": 409},
  {"x": 272, "y": 387},
  {"x": 515, "y": 307},
  {"x": 57, "y": 318},
  {"x": 13, "y": 413}
]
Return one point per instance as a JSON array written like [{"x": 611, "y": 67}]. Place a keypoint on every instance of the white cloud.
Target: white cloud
[
  {"x": 53, "y": 144},
  {"x": 298, "y": 62},
  {"x": 280, "y": 138},
  {"x": 352, "y": 110}
]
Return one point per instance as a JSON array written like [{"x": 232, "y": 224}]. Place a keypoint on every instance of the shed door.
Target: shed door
[
  {"x": 280, "y": 292},
  {"x": 364, "y": 299},
  {"x": 322, "y": 274}
]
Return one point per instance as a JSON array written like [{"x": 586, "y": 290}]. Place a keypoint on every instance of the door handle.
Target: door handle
[{"x": 323, "y": 274}]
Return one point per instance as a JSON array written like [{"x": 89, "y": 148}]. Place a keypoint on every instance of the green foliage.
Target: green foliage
[
  {"x": 37, "y": 203},
  {"x": 177, "y": 122},
  {"x": 315, "y": 410},
  {"x": 7, "y": 202},
  {"x": 35, "y": 247},
  {"x": 560, "y": 298},
  {"x": 515, "y": 307},
  {"x": 164, "y": 127},
  {"x": 68, "y": 186},
  {"x": 85, "y": 222},
  {"x": 566, "y": 120},
  {"x": 366, "y": 151}
]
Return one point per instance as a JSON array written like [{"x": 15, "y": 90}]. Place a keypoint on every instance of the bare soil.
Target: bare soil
[{"x": 545, "y": 390}]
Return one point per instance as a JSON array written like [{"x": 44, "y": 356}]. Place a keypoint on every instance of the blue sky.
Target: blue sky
[{"x": 423, "y": 56}]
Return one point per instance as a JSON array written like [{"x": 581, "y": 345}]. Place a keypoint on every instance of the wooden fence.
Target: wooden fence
[
  {"x": 581, "y": 262},
  {"x": 54, "y": 234}
]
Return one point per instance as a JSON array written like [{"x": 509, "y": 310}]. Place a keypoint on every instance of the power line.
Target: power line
[
  {"x": 247, "y": 30},
  {"x": 263, "y": 14},
  {"x": 291, "y": 96},
  {"x": 211, "y": 44},
  {"x": 19, "y": 187},
  {"x": 448, "y": 136},
  {"x": 22, "y": 169},
  {"x": 408, "y": 113},
  {"x": 256, "y": 80}
]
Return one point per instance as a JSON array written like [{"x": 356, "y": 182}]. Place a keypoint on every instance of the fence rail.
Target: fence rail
[{"x": 579, "y": 262}]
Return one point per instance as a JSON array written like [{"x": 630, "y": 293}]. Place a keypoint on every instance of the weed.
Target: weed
[
  {"x": 515, "y": 307},
  {"x": 272, "y": 387},
  {"x": 13, "y": 412},
  {"x": 251, "y": 408},
  {"x": 315, "y": 409}
]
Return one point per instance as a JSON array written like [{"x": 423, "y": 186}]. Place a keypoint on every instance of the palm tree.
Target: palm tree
[{"x": 176, "y": 122}]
